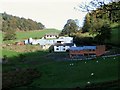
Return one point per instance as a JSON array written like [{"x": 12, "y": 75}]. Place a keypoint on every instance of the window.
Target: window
[
  {"x": 58, "y": 41},
  {"x": 85, "y": 54},
  {"x": 63, "y": 48},
  {"x": 92, "y": 54},
  {"x": 57, "y": 48},
  {"x": 86, "y": 50}
]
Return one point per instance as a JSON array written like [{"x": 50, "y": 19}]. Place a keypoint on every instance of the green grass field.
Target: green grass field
[
  {"x": 34, "y": 34},
  {"x": 60, "y": 74},
  {"x": 22, "y": 35}
]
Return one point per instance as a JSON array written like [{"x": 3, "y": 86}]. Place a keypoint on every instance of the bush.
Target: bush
[
  {"x": 10, "y": 35},
  {"x": 83, "y": 41}
]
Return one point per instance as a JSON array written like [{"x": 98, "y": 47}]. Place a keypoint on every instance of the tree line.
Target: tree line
[
  {"x": 97, "y": 22},
  {"x": 109, "y": 13}
]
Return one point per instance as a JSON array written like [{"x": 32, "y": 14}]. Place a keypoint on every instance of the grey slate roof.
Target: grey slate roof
[{"x": 83, "y": 48}]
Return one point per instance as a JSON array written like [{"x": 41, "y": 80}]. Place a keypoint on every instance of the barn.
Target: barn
[{"x": 87, "y": 51}]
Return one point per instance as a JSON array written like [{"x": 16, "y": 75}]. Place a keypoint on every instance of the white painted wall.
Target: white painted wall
[
  {"x": 30, "y": 40},
  {"x": 51, "y": 42},
  {"x": 61, "y": 48}
]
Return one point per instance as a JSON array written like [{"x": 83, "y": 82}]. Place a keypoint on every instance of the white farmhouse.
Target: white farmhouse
[
  {"x": 64, "y": 40},
  {"x": 51, "y": 36},
  {"x": 34, "y": 42}
]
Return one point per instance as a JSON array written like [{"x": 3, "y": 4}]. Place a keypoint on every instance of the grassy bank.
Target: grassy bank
[{"x": 9, "y": 53}]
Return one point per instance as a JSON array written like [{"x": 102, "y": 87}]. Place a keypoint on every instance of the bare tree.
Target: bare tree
[{"x": 92, "y": 5}]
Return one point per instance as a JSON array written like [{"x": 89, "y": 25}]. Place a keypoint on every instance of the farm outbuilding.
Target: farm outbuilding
[
  {"x": 26, "y": 41},
  {"x": 47, "y": 41},
  {"x": 87, "y": 51},
  {"x": 64, "y": 40},
  {"x": 58, "y": 47}
]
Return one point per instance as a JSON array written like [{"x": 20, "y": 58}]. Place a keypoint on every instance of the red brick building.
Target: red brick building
[{"x": 87, "y": 50}]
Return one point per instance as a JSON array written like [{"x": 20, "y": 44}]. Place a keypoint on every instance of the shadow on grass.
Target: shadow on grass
[{"x": 20, "y": 71}]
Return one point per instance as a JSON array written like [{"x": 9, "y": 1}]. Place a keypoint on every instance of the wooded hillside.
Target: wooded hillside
[
  {"x": 109, "y": 13},
  {"x": 101, "y": 22},
  {"x": 10, "y": 22}
]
